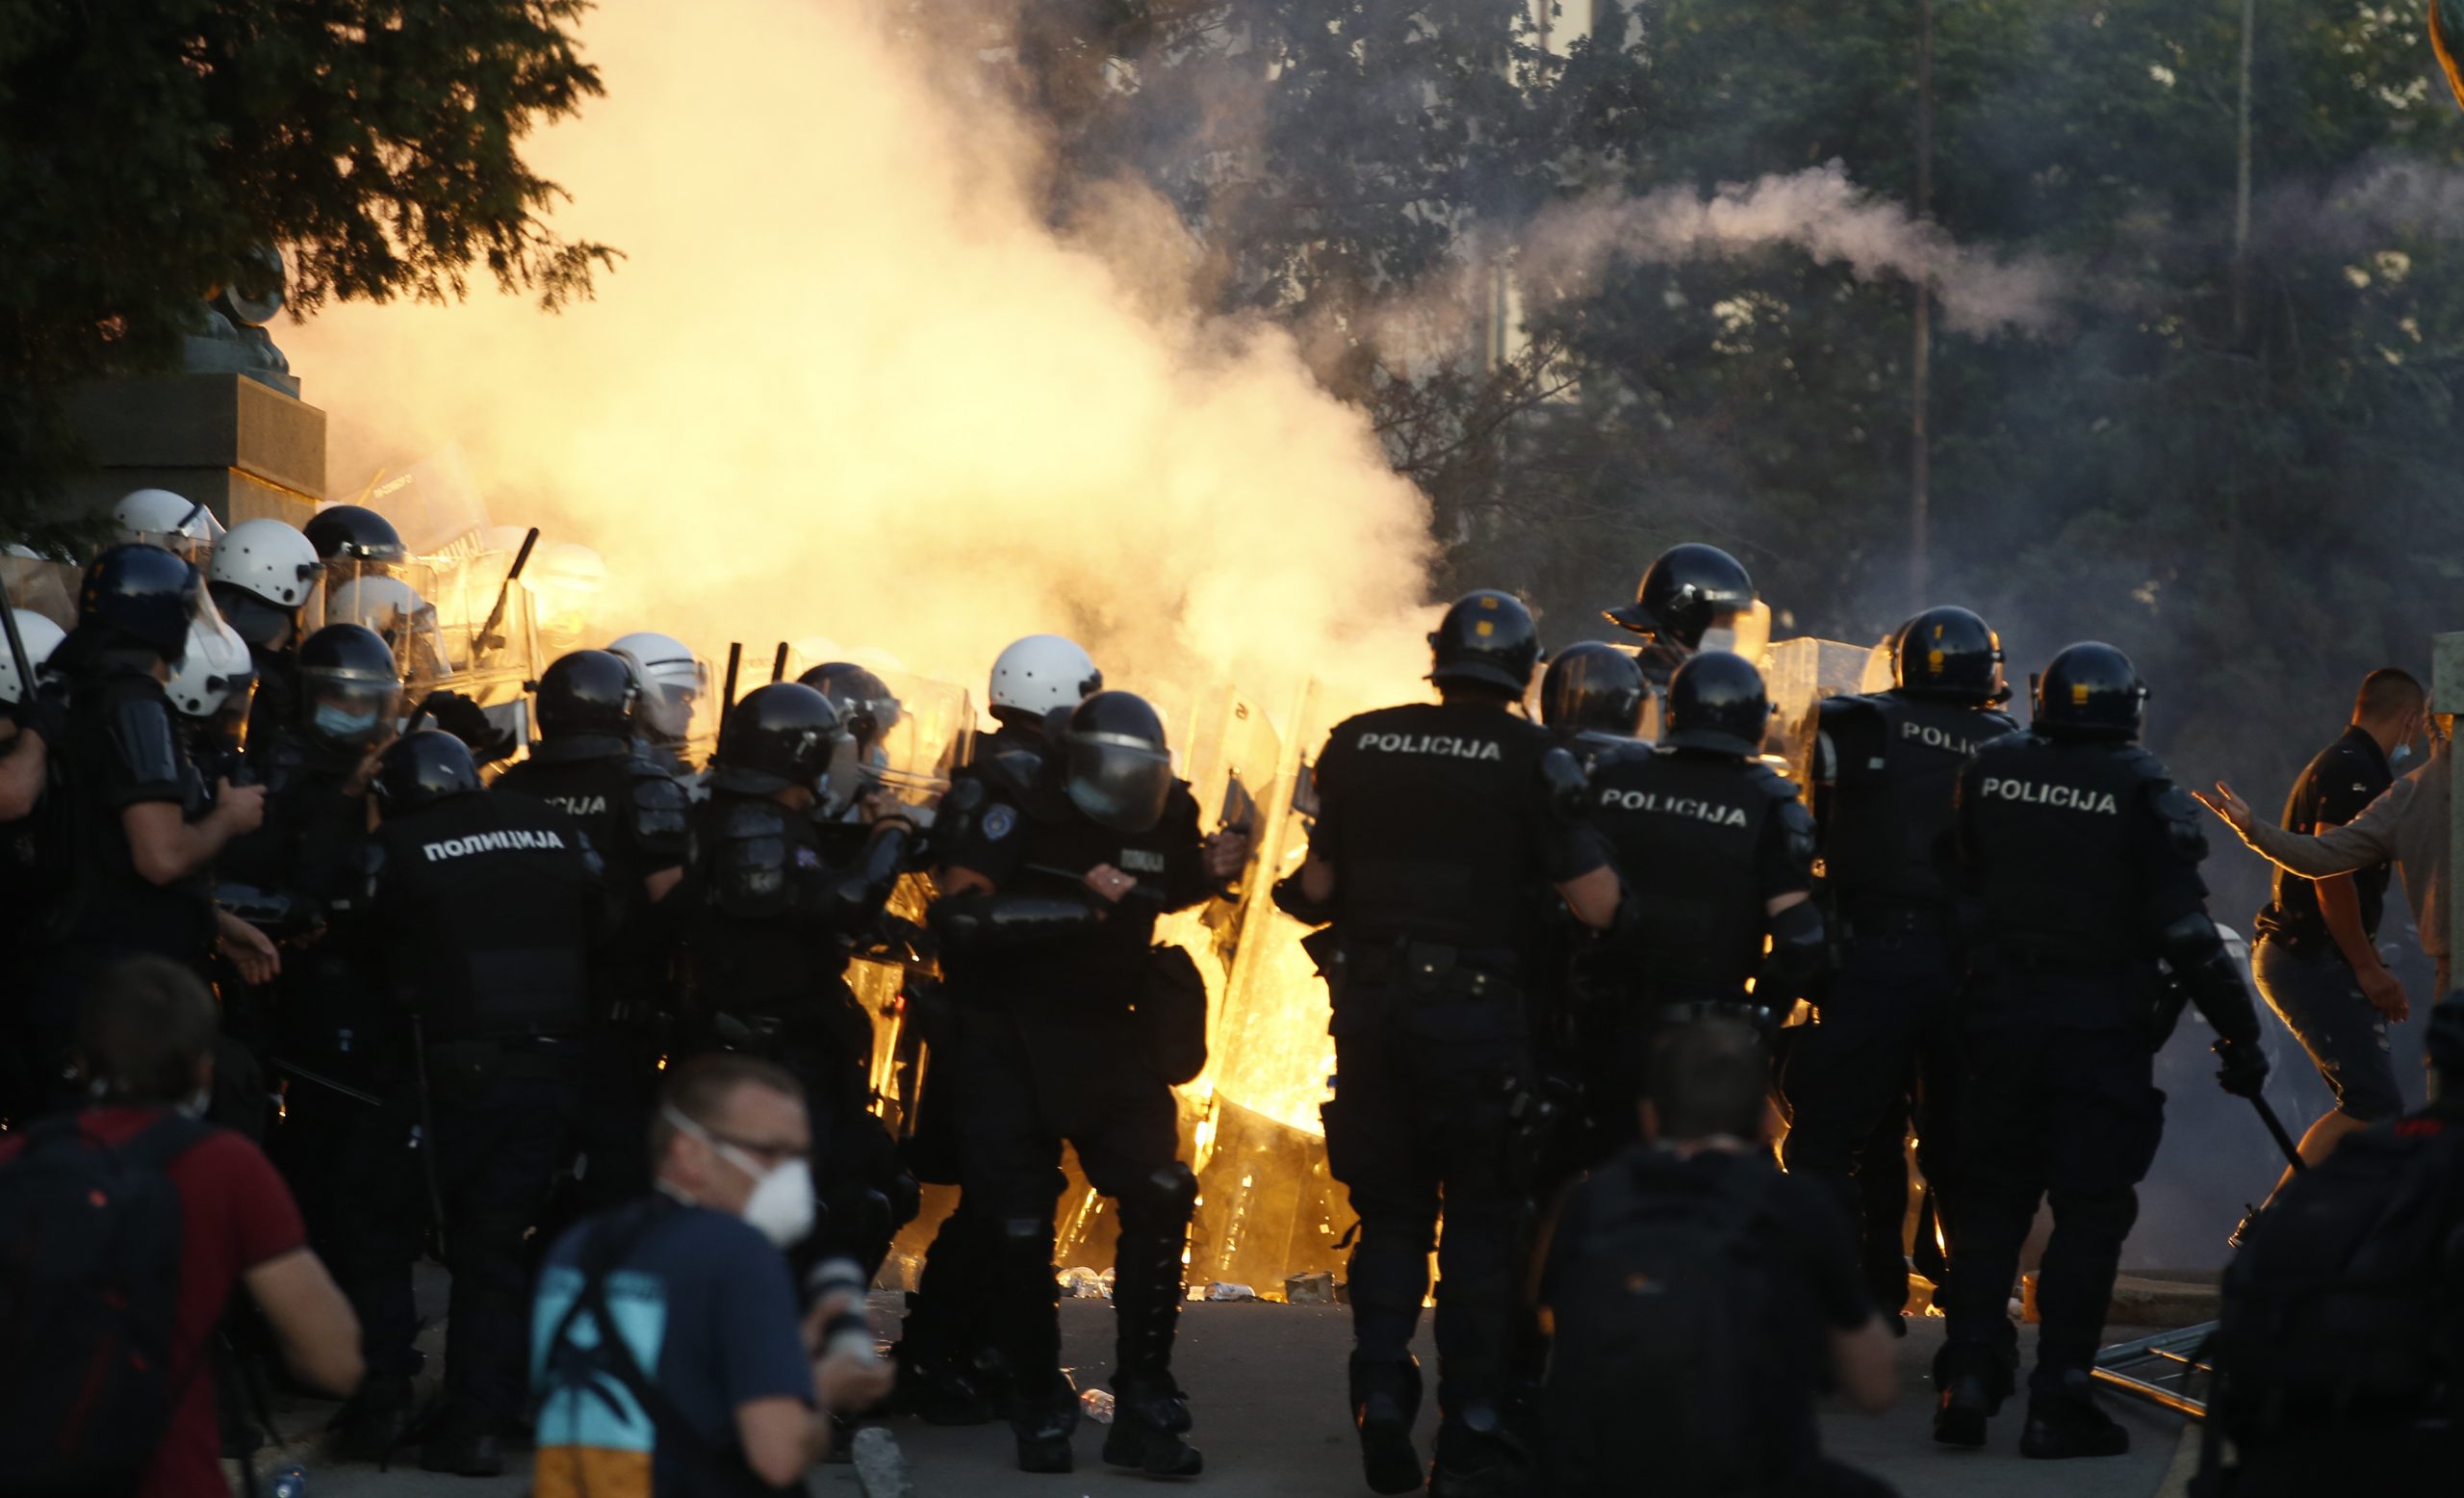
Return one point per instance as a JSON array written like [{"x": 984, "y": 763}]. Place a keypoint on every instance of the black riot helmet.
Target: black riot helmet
[
  {"x": 586, "y": 692},
  {"x": 1593, "y": 688},
  {"x": 422, "y": 769},
  {"x": 1684, "y": 592},
  {"x": 2090, "y": 690},
  {"x": 777, "y": 736},
  {"x": 1486, "y": 640},
  {"x": 350, "y": 532},
  {"x": 1115, "y": 763},
  {"x": 349, "y": 685},
  {"x": 1949, "y": 653},
  {"x": 1716, "y": 702},
  {"x": 866, "y": 704},
  {"x": 143, "y": 595}
]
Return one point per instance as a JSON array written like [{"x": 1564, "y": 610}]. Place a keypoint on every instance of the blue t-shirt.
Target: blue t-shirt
[{"x": 708, "y": 1309}]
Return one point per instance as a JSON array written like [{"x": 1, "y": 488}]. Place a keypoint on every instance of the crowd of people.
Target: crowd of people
[{"x": 572, "y": 1017}]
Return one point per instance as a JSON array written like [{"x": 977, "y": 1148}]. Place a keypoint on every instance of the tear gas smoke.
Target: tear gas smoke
[
  {"x": 1820, "y": 211},
  {"x": 847, "y": 382}
]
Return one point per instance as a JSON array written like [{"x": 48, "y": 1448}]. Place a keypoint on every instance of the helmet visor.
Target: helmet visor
[
  {"x": 347, "y": 708},
  {"x": 1118, "y": 782},
  {"x": 1741, "y": 631}
]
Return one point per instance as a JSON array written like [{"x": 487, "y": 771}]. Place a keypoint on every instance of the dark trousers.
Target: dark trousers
[
  {"x": 1885, "y": 1051},
  {"x": 1024, "y": 1096},
  {"x": 1419, "y": 1125},
  {"x": 2062, "y": 1115}
]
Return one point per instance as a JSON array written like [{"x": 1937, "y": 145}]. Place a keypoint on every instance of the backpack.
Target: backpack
[
  {"x": 89, "y": 1283},
  {"x": 2344, "y": 1306},
  {"x": 1659, "y": 1309}
]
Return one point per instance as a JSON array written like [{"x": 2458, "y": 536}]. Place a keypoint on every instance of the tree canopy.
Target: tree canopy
[{"x": 147, "y": 151}]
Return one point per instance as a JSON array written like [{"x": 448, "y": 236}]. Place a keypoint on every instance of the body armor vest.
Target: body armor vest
[
  {"x": 491, "y": 901},
  {"x": 1891, "y": 797},
  {"x": 2057, "y": 833},
  {"x": 1686, "y": 829}
]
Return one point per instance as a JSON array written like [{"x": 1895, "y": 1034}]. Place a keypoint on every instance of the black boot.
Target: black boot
[
  {"x": 1044, "y": 1423},
  {"x": 1150, "y": 1420},
  {"x": 373, "y": 1421},
  {"x": 1972, "y": 1384},
  {"x": 2064, "y": 1422},
  {"x": 939, "y": 1392},
  {"x": 1385, "y": 1401},
  {"x": 1476, "y": 1458}
]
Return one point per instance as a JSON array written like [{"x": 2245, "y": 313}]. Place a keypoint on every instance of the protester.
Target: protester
[
  {"x": 1701, "y": 1301},
  {"x": 725, "y": 1388},
  {"x": 160, "y": 1265}
]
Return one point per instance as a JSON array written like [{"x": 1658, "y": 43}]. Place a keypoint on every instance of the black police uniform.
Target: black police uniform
[
  {"x": 772, "y": 921},
  {"x": 27, "y": 888},
  {"x": 1703, "y": 840},
  {"x": 2080, "y": 853},
  {"x": 1050, "y": 1052},
  {"x": 486, "y": 907},
  {"x": 634, "y": 813},
  {"x": 1444, "y": 835},
  {"x": 1888, "y": 1027}
]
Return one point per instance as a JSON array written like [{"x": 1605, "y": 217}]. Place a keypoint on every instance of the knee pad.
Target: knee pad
[{"x": 1162, "y": 1200}]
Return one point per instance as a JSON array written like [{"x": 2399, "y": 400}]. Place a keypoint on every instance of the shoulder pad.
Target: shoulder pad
[
  {"x": 659, "y": 809},
  {"x": 1563, "y": 785},
  {"x": 1846, "y": 706},
  {"x": 141, "y": 733},
  {"x": 2183, "y": 830},
  {"x": 1770, "y": 782},
  {"x": 750, "y": 862},
  {"x": 2002, "y": 722}
]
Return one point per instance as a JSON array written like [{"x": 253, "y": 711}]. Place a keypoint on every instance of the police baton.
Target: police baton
[
  {"x": 487, "y": 638},
  {"x": 2277, "y": 1130},
  {"x": 16, "y": 646}
]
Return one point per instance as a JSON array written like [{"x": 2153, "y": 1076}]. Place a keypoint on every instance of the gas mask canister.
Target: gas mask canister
[{"x": 781, "y": 1206}]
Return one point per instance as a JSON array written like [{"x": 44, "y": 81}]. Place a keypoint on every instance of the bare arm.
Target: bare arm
[
  {"x": 320, "y": 1336},
  {"x": 21, "y": 775},
  {"x": 782, "y": 1438},
  {"x": 1317, "y": 879},
  {"x": 167, "y": 847},
  {"x": 1866, "y": 1363},
  {"x": 658, "y": 885}
]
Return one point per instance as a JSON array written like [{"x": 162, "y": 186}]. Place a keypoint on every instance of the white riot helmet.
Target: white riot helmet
[
  {"x": 264, "y": 572},
  {"x": 1041, "y": 673},
  {"x": 676, "y": 685},
  {"x": 395, "y": 610},
  {"x": 40, "y": 637},
  {"x": 215, "y": 669},
  {"x": 173, "y": 521}
]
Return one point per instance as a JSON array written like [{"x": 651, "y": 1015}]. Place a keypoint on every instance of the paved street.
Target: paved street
[{"x": 1268, "y": 1384}]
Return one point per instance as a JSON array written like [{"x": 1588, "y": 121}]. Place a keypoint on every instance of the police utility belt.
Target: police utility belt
[{"x": 1431, "y": 967}]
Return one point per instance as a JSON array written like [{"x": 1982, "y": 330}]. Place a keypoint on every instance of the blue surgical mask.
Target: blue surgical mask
[{"x": 342, "y": 723}]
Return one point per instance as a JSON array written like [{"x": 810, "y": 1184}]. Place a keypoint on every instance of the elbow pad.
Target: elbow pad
[
  {"x": 981, "y": 922},
  {"x": 1800, "y": 958},
  {"x": 2196, "y": 951},
  {"x": 1568, "y": 790},
  {"x": 1294, "y": 901}
]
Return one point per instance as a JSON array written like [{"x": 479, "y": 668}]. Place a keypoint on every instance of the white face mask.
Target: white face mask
[{"x": 781, "y": 1206}]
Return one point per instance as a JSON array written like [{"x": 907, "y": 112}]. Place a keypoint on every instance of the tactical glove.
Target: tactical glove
[{"x": 2245, "y": 1070}]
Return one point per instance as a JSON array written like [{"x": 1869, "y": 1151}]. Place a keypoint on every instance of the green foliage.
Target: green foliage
[{"x": 146, "y": 149}]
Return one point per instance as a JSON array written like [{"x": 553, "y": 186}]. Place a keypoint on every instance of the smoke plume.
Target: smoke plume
[
  {"x": 846, "y": 382},
  {"x": 1819, "y": 211}
]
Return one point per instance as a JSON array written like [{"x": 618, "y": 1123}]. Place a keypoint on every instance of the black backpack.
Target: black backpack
[
  {"x": 89, "y": 1283},
  {"x": 1659, "y": 1308},
  {"x": 2344, "y": 1306}
]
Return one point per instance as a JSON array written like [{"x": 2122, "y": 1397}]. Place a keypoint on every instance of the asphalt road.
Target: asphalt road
[{"x": 1267, "y": 1382}]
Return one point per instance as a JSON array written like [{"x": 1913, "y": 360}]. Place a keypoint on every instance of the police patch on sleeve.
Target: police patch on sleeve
[{"x": 999, "y": 822}]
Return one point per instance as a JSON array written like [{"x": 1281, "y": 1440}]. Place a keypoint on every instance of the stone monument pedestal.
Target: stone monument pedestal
[{"x": 244, "y": 448}]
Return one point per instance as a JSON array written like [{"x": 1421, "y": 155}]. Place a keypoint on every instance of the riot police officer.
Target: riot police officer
[
  {"x": 674, "y": 686},
  {"x": 950, "y": 1372},
  {"x": 773, "y": 922},
  {"x": 261, "y": 577},
  {"x": 139, "y": 838},
  {"x": 2082, "y": 860},
  {"x": 1440, "y": 829},
  {"x": 588, "y": 765},
  {"x": 30, "y": 726},
  {"x": 1716, "y": 855},
  {"x": 1690, "y": 599},
  {"x": 351, "y": 538},
  {"x": 1592, "y": 696},
  {"x": 1884, "y": 765},
  {"x": 1046, "y": 914},
  {"x": 485, "y": 907}
]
